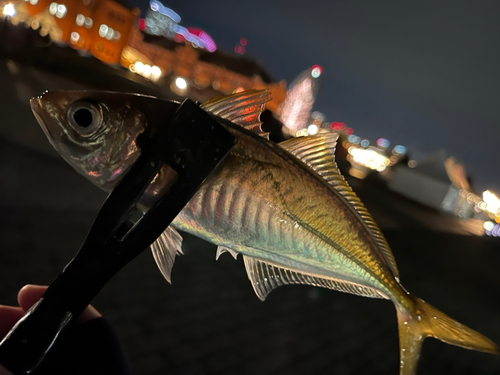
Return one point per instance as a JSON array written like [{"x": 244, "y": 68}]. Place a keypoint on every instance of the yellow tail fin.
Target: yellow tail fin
[{"x": 426, "y": 321}]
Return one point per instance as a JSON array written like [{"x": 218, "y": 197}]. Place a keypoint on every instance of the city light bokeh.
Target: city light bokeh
[{"x": 9, "y": 10}]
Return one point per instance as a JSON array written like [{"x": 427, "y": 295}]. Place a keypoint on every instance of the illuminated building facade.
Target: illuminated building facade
[
  {"x": 100, "y": 27},
  {"x": 112, "y": 25},
  {"x": 206, "y": 74}
]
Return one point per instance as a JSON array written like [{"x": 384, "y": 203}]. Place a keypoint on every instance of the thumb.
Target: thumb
[{"x": 31, "y": 294}]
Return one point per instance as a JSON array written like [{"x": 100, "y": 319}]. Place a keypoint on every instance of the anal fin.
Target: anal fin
[
  {"x": 266, "y": 276},
  {"x": 164, "y": 250}
]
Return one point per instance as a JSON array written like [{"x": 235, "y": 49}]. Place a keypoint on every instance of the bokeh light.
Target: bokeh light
[
  {"x": 9, "y": 10},
  {"x": 401, "y": 150},
  {"x": 382, "y": 142},
  {"x": 312, "y": 129},
  {"x": 181, "y": 83},
  {"x": 316, "y": 71}
]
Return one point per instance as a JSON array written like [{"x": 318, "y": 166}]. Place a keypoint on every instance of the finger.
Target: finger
[
  {"x": 30, "y": 294},
  {"x": 3, "y": 371},
  {"x": 89, "y": 313},
  {"x": 9, "y": 315}
]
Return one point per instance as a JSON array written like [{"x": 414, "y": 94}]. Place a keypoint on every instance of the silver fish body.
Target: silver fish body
[
  {"x": 285, "y": 207},
  {"x": 266, "y": 204}
]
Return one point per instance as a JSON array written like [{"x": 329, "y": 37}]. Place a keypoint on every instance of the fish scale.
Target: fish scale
[{"x": 254, "y": 224}]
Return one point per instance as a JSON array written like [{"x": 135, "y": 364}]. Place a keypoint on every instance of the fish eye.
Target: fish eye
[{"x": 85, "y": 117}]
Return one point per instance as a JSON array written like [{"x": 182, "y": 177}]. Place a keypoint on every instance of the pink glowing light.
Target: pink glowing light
[{"x": 207, "y": 39}]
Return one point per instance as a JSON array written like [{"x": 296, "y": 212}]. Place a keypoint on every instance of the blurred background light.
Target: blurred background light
[
  {"x": 75, "y": 37},
  {"x": 400, "y": 149},
  {"x": 382, "y": 142},
  {"x": 88, "y": 22},
  {"x": 9, "y": 10},
  {"x": 354, "y": 139},
  {"x": 142, "y": 24},
  {"x": 492, "y": 202},
  {"x": 53, "y": 8},
  {"x": 181, "y": 83},
  {"x": 489, "y": 226},
  {"x": 80, "y": 20},
  {"x": 316, "y": 71},
  {"x": 312, "y": 129},
  {"x": 156, "y": 71},
  {"x": 146, "y": 71},
  {"x": 338, "y": 126},
  {"x": 369, "y": 158},
  {"x": 61, "y": 11},
  {"x": 138, "y": 67},
  {"x": 156, "y": 6}
]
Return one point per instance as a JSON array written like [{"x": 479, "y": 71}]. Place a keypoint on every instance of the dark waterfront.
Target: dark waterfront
[{"x": 209, "y": 321}]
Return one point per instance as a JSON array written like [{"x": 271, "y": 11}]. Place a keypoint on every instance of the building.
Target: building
[
  {"x": 203, "y": 74},
  {"x": 187, "y": 61},
  {"x": 97, "y": 27}
]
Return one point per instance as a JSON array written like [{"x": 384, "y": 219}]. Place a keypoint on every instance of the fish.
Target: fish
[{"x": 285, "y": 207}]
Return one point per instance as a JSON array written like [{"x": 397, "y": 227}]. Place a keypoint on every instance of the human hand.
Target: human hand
[{"x": 27, "y": 297}]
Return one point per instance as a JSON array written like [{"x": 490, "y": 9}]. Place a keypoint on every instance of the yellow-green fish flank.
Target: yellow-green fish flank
[{"x": 285, "y": 208}]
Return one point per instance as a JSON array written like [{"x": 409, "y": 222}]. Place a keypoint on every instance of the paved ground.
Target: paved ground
[{"x": 209, "y": 321}]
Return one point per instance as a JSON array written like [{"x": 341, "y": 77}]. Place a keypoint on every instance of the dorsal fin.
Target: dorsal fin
[
  {"x": 265, "y": 277},
  {"x": 243, "y": 108},
  {"x": 318, "y": 152}
]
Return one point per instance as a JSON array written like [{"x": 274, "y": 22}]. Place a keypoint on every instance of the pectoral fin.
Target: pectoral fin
[{"x": 164, "y": 250}]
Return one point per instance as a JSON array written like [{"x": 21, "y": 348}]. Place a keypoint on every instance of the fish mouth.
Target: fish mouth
[
  {"x": 47, "y": 113},
  {"x": 37, "y": 109}
]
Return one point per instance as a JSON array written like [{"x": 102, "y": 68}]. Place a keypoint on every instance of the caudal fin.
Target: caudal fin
[{"x": 426, "y": 321}]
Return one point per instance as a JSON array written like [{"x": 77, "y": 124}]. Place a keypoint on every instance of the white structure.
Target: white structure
[{"x": 438, "y": 182}]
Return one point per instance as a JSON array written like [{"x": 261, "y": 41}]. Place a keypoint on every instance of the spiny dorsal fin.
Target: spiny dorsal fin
[
  {"x": 265, "y": 277},
  {"x": 243, "y": 108},
  {"x": 164, "y": 250},
  {"x": 318, "y": 152},
  {"x": 222, "y": 249}
]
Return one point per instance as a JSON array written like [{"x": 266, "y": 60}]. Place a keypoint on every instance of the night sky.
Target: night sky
[{"x": 425, "y": 74}]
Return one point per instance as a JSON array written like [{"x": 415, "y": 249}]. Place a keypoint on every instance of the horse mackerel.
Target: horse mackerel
[{"x": 285, "y": 207}]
